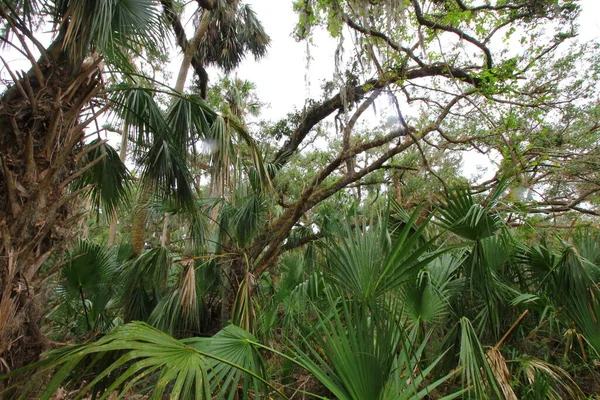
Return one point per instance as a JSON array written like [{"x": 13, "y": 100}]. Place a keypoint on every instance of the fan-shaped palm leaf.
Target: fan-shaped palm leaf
[
  {"x": 362, "y": 263},
  {"x": 236, "y": 346},
  {"x": 477, "y": 375},
  {"x": 557, "y": 378},
  {"x": 179, "y": 310},
  {"x": 233, "y": 29},
  {"x": 145, "y": 278},
  {"x": 423, "y": 302},
  {"x": 467, "y": 219},
  {"x": 161, "y": 151},
  {"x": 108, "y": 176},
  {"x": 87, "y": 280},
  {"x": 181, "y": 370},
  {"x": 362, "y": 354},
  {"x": 109, "y": 26}
]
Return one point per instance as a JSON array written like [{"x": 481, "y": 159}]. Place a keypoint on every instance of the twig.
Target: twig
[{"x": 514, "y": 325}]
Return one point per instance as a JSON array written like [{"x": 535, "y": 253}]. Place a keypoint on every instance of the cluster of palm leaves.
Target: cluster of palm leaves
[{"x": 388, "y": 305}]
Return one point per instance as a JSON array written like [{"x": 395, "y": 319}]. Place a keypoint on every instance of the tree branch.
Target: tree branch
[{"x": 435, "y": 25}]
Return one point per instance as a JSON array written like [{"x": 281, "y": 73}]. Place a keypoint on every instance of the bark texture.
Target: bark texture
[{"x": 43, "y": 116}]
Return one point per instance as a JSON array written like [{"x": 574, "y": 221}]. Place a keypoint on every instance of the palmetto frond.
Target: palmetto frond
[
  {"x": 233, "y": 30},
  {"x": 190, "y": 119},
  {"x": 423, "y": 301},
  {"x": 178, "y": 369},
  {"x": 161, "y": 143},
  {"x": 477, "y": 375},
  {"x": 181, "y": 308},
  {"x": 108, "y": 176},
  {"x": 467, "y": 219},
  {"x": 146, "y": 277},
  {"x": 88, "y": 281},
  {"x": 361, "y": 354},
  {"x": 237, "y": 347},
  {"x": 559, "y": 382},
  {"x": 225, "y": 139},
  {"x": 569, "y": 279},
  {"x": 242, "y": 218},
  {"x": 363, "y": 263},
  {"x": 112, "y": 26}
]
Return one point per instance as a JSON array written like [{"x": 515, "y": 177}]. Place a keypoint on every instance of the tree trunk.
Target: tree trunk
[
  {"x": 233, "y": 273},
  {"x": 191, "y": 50},
  {"x": 42, "y": 133}
]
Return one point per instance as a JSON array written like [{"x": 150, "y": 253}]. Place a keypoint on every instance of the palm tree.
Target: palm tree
[
  {"x": 227, "y": 31},
  {"x": 46, "y": 161}
]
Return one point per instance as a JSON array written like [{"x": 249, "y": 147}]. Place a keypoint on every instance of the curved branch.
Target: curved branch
[
  {"x": 319, "y": 112},
  {"x": 434, "y": 25},
  {"x": 387, "y": 39},
  {"x": 464, "y": 7}
]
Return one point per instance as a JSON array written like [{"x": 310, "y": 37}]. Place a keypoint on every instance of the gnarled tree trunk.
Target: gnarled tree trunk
[{"x": 43, "y": 116}]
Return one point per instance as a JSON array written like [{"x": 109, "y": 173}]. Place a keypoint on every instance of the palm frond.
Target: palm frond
[
  {"x": 233, "y": 29},
  {"x": 362, "y": 354},
  {"x": 477, "y": 375},
  {"x": 180, "y": 370},
  {"x": 106, "y": 25},
  {"x": 461, "y": 215},
  {"x": 87, "y": 280},
  {"x": 161, "y": 151},
  {"x": 109, "y": 179},
  {"x": 180, "y": 309},
  {"x": 145, "y": 277},
  {"x": 236, "y": 346},
  {"x": 557, "y": 377},
  {"x": 423, "y": 302},
  {"x": 363, "y": 263}
]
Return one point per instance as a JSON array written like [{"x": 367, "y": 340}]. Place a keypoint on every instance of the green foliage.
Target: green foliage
[
  {"x": 467, "y": 219},
  {"x": 233, "y": 30},
  {"x": 86, "y": 288},
  {"x": 477, "y": 373},
  {"x": 236, "y": 346},
  {"x": 178, "y": 369},
  {"x": 110, "y": 26},
  {"x": 361, "y": 353},
  {"x": 352, "y": 294},
  {"x": 368, "y": 263},
  {"x": 108, "y": 177}
]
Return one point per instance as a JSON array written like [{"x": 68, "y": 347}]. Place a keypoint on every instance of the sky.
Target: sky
[{"x": 286, "y": 77}]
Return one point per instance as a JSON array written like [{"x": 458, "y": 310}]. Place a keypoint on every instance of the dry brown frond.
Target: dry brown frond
[
  {"x": 501, "y": 372},
  {"x": 188, "y": 289}
]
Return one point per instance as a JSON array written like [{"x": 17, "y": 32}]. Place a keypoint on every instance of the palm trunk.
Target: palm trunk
[
  {"x": 233, "y": 274},
  {"x": 42, "y": 132},
  {"x": 138, "y": 225},
  {"x": 164, "y": 237},
  {"x": 190, "y": 51}
]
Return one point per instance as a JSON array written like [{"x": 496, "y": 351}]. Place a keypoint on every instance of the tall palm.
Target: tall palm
[
  {"x": 226, "y": 32},
  {"x": 45, "y": 162}
]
